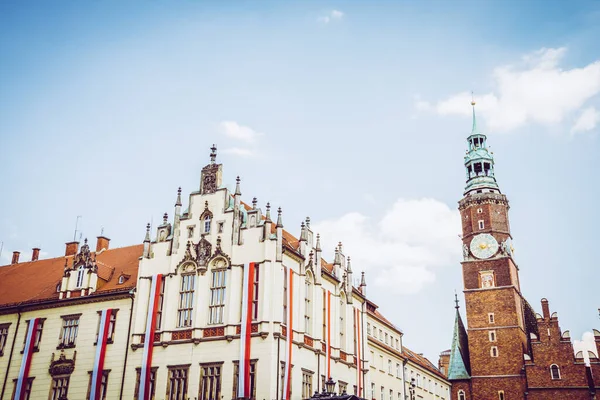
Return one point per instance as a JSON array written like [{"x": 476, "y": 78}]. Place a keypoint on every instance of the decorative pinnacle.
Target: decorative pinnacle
[
  {"x": 165, "y": 218},
  {"x": 340, "y": 247},
  {"x": 456, "y": 301},
  {"x": 178, "y": 202},
  {"x": 348, "y": 267},
  {"x": 303, "y": 237},
  {"x": 268, "y": 215},
  {"x": 279, "y": 220},
  {"x": 238, "y": 192},
  {"x": 363, "y": 282},
  {"x": 318, "y": 245},
  {"x": 308, "y": 222},
  {"x": 147, "y": 238},
  {"x": 474, "y": 129},
  {"x": 213, "y": 154},
  {"x": 336, "y": 258},
  {"x": 254, "y": 201}
]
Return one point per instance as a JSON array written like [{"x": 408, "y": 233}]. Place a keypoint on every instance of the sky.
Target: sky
[{"x": 352, "y": 113}]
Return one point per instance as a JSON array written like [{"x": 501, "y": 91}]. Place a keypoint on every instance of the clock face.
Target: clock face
[{"x": 484, "y": 245}]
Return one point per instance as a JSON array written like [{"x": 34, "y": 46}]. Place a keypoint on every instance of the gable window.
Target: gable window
[
  {"x": 481, "y": 224},
  {"x": 59, "y": 388},
  {"x": 210, "y": 381},
  {"x": 3, "y": 337},
  {"x": 207, "y": 224},
  {"x": 554, "y": 371},
  {"x": 121, "y": 280},
  {"x": 217, "y": 296},
  {"x": 186, "y": 301},
  {"x": 68, "y": 333},
  {"x": 461, "y": 395},
  {"x": 494, "y": 351},
  {"x": 80, "y": 273},
  {"x": 308, "y": 306},
  {"x": 177, "y": 385},
  {"x": 236, "y": 378},
  {"x": 152, "y": 388},
  {"x": 255, "y": 293},
  {"x": 103, "y": 385}
]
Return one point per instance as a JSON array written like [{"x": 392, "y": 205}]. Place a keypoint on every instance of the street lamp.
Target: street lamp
[{"x": 330, "y": 386}]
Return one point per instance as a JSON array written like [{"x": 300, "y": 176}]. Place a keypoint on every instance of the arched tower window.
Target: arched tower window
[
  {"x": 554, "y": 371},
  {"x": 80, "y": 274},
  {"x": 308, "y": 294},
  {"x": 461, "y": 395}
]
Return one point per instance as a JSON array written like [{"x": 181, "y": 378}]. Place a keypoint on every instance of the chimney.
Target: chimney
[
  {"x": 102, "y": 243},
  {"x": 35, "y": 254},
  {"x": 545, "y": 309},
  {"x": 72, "y": 248},
  {"x": 15, "y": 259}
]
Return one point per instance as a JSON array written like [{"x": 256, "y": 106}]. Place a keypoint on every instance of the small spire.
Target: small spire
[
  {"x": 254, "y": 201},
  {"x": 474, "y": 130},
  {"x": 336, "y": 258},
  {"x": 303, "y": 235},
  {"x": 348, "y": 266},
  {"x": 238, "y": 192},
  {"x": 340, "y": 247},
  {"x": 165, "y": 218},
  {"x": 178, "y": 202},
  {"x": 308, "y": 222},
  {"x": 268, "y": 214},
  {"x": 147, "y": 238},
  {"x": 213, "y": 154},
  {"x": 318, "y": 245},
  {"x": 279, "y": 220}
]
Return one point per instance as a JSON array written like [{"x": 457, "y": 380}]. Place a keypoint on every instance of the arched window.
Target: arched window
[
  {"x": 207, "y": 224},
  {"x": 554, "y": 371},
  {"x": 461, "y": 395},
  {"x": 80, "y": 273},
  {"x": 308, "y": 294}
]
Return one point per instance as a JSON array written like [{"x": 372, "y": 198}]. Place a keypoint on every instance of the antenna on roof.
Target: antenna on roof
[
  {"x": 76, "y": 225},
  {"x": 101, "y": 231}
]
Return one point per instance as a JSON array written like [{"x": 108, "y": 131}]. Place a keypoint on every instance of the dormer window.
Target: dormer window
[
  {"x": 80, "y": 272},
  {"x": 58, "y": 287},
  {"x": 121, "y": 280},
  {"x": 207, "y": 224}
]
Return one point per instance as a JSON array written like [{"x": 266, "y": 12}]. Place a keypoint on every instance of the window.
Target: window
[
  {"x": 491, "y": 318},
  {"x": 389, "y": 366},
  {"x": 282, "y": 377},
  {"x": 461, "y": 395},
  {"x": 152, "y": 388},
  {"x": 308, "y": 305},
  {"x": 220, "y": 227},
  {"x": 68, "y": 334},
  {"x": 397, "y": 344},
  {"x": 381, "y": 362},
  {"x": 382, "y": 393},
  {"x": 398, "y": 370},
  {"x": 38, "y": 335},
  {"x": 255, "y": 292},
  {"x": 343, "y": 387},
  {"x": 60, "y": 388},
  {"x": 386, "y": 338},
  {"x": 80, "y": 273},
  {"x": 307, "y": 377},
  {"x": 210, "y": 381},
  {"x": 494, "y": 351},
  {"x": 217, "y": 296},
  {"x": 186, "y": 301},
  {"x": 177, "y": 384},
  {"x": 372, "y": 359},
  {"x": 554, "y": 371},
  {"x": 368, "y": 328},
  {"x": 342, "y": 324},
  {"x": 492, "y": 335},
  {"x": 58, "y": 288},
  {"x": 121, "y": 279},
  {"x": 3, "y": 337},
  {"x": 25, "y": 395},
  {"x": 207, "y": 224},
  {"x": 501, "y": 395},
  {"x": 324, "y": 313},
  {"x": 391, "y": 394},
  {"x": 380, "y": 334},
  {"x": 479, "y": 211},
  {"x": 103, "y": 386},
  {"x": 481, "y": 224},
  {"x": 110, "y": 335},
  {"x": 190, "y": 231},
  {"x": 372, "y": 390},
  {"x": 159, "y": 308},
  {"x": 236, "y": 377}
]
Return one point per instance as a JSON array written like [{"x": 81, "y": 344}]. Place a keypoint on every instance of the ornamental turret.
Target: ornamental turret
[{"x": 479, "y": 163}]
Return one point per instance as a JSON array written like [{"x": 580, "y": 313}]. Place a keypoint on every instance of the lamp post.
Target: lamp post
[{"x": 411, "y": 388}]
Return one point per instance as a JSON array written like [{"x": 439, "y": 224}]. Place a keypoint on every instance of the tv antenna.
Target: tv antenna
[{"x": 76, "y": 225}]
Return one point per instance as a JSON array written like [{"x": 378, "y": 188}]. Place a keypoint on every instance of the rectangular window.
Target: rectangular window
[
  {"x": 255, "y": 293},
  {"x": 343, "y": 387},
  {"x": 324, "y": 316},
  {"x": 159, "y": 308},
  {"x": 282, "y": 377},
  {"x": 398, "y": 370},
  {"x": 501, "y": 395},
  {"x": 492, "y": 335},
  {"x": 381, "y": 362},
  {"x": 111, "y": 326},
  {"x": 210, "y": 382},
  {"x": 494, "y": 351},
  {"x": 308, "y": 306},
  {"x": 103, "y": 385},
  {"x": 186, "y": 301},
  {"x": 59, "y": 388},
  {"x": 285, "y": 296},
  {"x": 382, "y": 393},
  {"x": 368, "y": 329},
  {"x": 386, "y": 338},
  {"x": 236, "y": 378},
  {"x": 342, "y": 326},
  {"x": 391, "y": 394},
  {"x": 307, "y": 377},
  {"x": 3, "y": 337},
  {"x": 38, "y": 335},
  {"x": 177, "y": 384},
  {"x": 389, "y": 366},
  {"x": 217, "y": 296},
  {"x": 153, "y": 372},
  {"x": 397, "y": 344},
  {"x": 491, "y": 318},
  {"x": 481, "y": 224},
  {"x": 26, "y": 392}
]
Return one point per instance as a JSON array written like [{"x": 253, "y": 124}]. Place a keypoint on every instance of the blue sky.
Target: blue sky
[{"x": 352, "y": 113}]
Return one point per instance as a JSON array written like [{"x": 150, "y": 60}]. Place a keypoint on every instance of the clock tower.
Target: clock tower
[{"x": 496, "y": 331}]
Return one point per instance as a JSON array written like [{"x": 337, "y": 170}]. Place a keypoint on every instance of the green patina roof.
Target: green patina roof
[{"x": 459, "y": 367}]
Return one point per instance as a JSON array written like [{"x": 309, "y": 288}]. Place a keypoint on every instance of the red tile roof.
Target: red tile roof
[
  {"x": 35, "y": 281},
  {"x": 422, "y": 361}
]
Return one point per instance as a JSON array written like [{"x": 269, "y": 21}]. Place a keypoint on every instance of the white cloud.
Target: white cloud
[
  {"x": 587, "y": 343},
  {"x": 239, "y": 132},
  {"x": 239, "y": 151},
  {"x": 331, "y": 16},
  {"x": 587, "y": 121},
  {"x": 404, "y": 248},
  {"x": 534, "y": 90}
]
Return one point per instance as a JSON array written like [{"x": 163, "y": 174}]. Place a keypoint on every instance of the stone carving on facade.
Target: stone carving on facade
[
  {"x": 219, "y": 258},
  {"x": 62, "y": 366},
  {"x": 209, "y": 181},
  {"x": 465, "y": 252},
  {"x": 84, "y": 258},
  {"x": 203, "y": 252}
]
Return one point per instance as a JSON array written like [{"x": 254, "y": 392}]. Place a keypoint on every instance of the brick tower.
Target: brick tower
[{"x": 497, "y": 333}]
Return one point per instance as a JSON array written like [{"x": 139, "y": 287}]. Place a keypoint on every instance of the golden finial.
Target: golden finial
[{"x": 472, "y": 99}]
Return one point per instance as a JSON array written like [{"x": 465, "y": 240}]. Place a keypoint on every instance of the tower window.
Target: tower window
[
  {"x": 491, "y": 318},
  {"x": 492, "y": 335},
  {"x": 481, "y": 224},
  {"x": 494, "y": 351},
  {"x": 501, "y": 395},
  {"x": 479, "y": 211},
  {"x": 554, "y": 371},
  {"x": 461, "y": 395}
]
